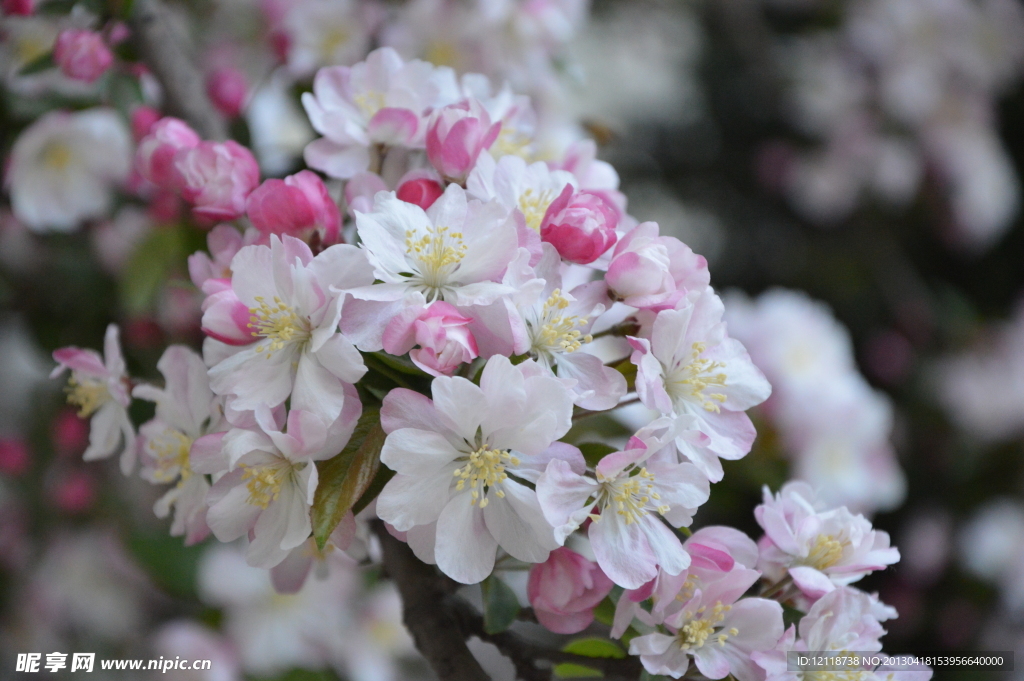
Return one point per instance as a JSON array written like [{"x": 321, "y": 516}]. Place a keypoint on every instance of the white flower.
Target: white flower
[
  {"x": 461, "y": 460},
  {"x": 64, "y": 166}
]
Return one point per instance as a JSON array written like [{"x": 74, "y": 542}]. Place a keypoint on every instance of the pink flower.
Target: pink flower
[
  {"x": 648, "y": 270},
  {"x": 143, "y": 119},
  {"x": 15, "y": 456},
  {"x": 441, "y": 332},
  {"x": 456, "y": 136},
  {"x": 82, "y": 54},
  {"x": 218, "y": 178},
  {"x": 155, "y": 156},
  {"x": 226, "y": 88},
  {"x": 295, "y": 205},
  {"x": 360, "y": 190},
  {"x": 580, "y": 225},
  {"x": 422, "y": 191},
  {"x": 74, "y": 492},
  {"x": 565, "y": 589},
  {"x": 19, "y": 7}
]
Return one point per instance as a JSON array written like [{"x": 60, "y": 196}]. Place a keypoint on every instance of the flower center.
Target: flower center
[
  {"x": 278, "y": 323},
  {"x": 484, "y": 469},
  {"x": 630, "y": 496},
  {"x": 696, "y": 632},
  {"x": 437, "y": 255},
  {"x": 334, "y": 38},
  {"x": 264, "y": 481},
  {"x": 371, "y": 102},
  {"x": 554, "y": 332},
  {"x": 689, "y": 381},
  {"x": 825, "y": 552},
  {"x": 56, "y": 155},
  {"x": 170, "y": 449},
  {"x": 512, "y": 142},
  {"x": 86, "y": 393},
  {"x": 534, "y": 205}
]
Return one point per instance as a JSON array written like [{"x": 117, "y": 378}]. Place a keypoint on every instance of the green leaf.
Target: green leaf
[
  {"x": 170, "y": 563},
  {"x": 500, "y": 605},
  {"x": 791, "y": 616},
  {"x": 346, "y": 477},
  {"x": 41, "y": 63},
  {"x": 158, "y": 255},
  {"x": 398, "y": 363},
  {"x": 647, "y": 676},
  {"x": 383, "y": 475},
  {"x": 605, "y": 612},
  {"x": 595, "y": 647},
  {"x": 593, "y": 452},
  {"x": 628, "y": 370},
  {"x": 576, "y": 671}
]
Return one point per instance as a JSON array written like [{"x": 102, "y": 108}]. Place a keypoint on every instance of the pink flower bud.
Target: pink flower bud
[
  {"x": 227, "y": 88},
  {"x": 82, "y": 54},
  {"x": 651, "y": 271},
  {"x": 296, "y": 205},
  {"x": 74, "y": 492},
  {"x": 580, "y": 225},
  {"x": 70, "y": 433},
  {"x": 143, "y": 120},
  {"x": 155, "y": 157},
  {"x": 442, "y": 334},
  {"x": 421, "y": 191},
  {"x": 14, "y": 456},
  {"x": 565, "y": 589},
  {"x": 456, "y": 135},
  {"x": 217, "y": 178},
  {"x": 20, "y": 7}
]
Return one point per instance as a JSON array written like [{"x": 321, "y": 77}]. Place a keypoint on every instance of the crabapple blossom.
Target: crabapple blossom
[
  {"x": 217, "y": 178},
  {"x": 627, "y": 535},
  {"x": 270, "y": 479},
  {"x": 651, "y": 271},
  {"x": 458, "y": 459},
  {"x": 227, "y": 89},
  {"x": 282, "y": 315},
  {"x": 456, "y": 136},
  {"x": 565, "y": 589},
  {"x": 223, "y": 242},
  {"x": 82, "y": 54},
  {"x": 296, "y": 205},
  {"x": 819, "y": 549},
  {"x": 690, "y": 367},
  {"x": 441, "y": 333},
  {"x": 101, "y": 389},
  {"x": 717, "y": 630},
  {"x": 290, "y": 575},
  {"x": 157, "y": 151},
  {"x": 63, "y": 168},
  {"x": 580, "y": 225},
  {"x": 421, "y": 191},
  {"x": 380, "y": 101},
  {"x": 186, "y": 409}
]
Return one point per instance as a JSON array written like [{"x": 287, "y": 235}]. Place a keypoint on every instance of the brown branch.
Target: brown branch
[
  {"x": 427, "y": 612},
  {"x": 163, "y": 51},
  {"x": 440, "y": 622}
]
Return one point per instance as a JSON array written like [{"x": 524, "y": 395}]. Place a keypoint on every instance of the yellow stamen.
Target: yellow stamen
[
  {"x": 264, "y": 482},
  {"x": 484, "y": 469},
  {"x": 170, "y": 449},
  {"x": 697, "y": 631},
  {"x": 554, "y": 332},
  {"x": 437, "y": 254},
  {"x": 534, "y": 206},
  {"x": 689, "y": 381},
  {"x": 826, "y": 551},
  {"x": 86, "y": 393},
  {"x": 278, "y": 323}
]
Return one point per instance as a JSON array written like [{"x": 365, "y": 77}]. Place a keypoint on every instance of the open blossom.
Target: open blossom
[
  {"x": 217, "y": 178},
  {"x": 82, "y": 54},
  {"x": 820, "y": 549},
  {"x": 282, "y": 314},
  {"x": 379, "y": 101},
  {"x": 100, "y": 388},
  {"x": 64, "y": 166},
  {"x": 457, "y": 251},
  {"x": 223, "y": 242},
  {"x": 296, "y": 205},
  {"x": 456, "y": 135},
  {"x": 453, "y": 456},
  {"x": 628, "y": 537},
  {"x": 717, "y": 628},
  {"x": 154, "y": 159},
  {"x": 580, "y": 225},
  {"x": 652, "y": 271},
  {"x": 442, "y": 334},
  {"x": 186, "y": 409},
  {"x": 690, "y": 367},
  {"x": 271, "y": 478},
  {"x": 565, "y": 589}
]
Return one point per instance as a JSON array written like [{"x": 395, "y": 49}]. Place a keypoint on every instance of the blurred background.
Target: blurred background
[{"x": 850, "y": 169}]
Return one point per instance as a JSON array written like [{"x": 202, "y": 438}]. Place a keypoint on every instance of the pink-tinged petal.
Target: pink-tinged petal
[
  {"x": 317, "y": 390},
  {"x": 738, "y": 545},
  {"x": 404, "y": 408},
  {"x": 562, "y": 493},
  {"x": 651, "y": 644},
  {"x": 533, "y": 467},
  {"x": 465, "y": 550},
  {"x": 289, "y": 575},
  {"x": 396, "y": 127},
  {"x": 87, "y": 361},
  {"x": 414, "y": 452},
  {"x": 104, "y": 432},
  {"x": 709, "y": 558},
  {"x": 340, "y": 358},
  {"x": 565, "y": 623},
  {"x": 517, "y": 524},
  {"x": 422, "y": 539},
  {"x": 230, "y": 515},
  {"x": 813, "y": 583},
  {"x": 460, "y": 405},
  {"x": 337, "y": 160},
  {"x": 400, "y": 334},
  {"x": 711, "y": 661},
  {"x": 207, "y": 455},
  {"x": 227, "y": 319},
  {"x": 622, "y": 551},
  {"x": 410, "y": 500}
]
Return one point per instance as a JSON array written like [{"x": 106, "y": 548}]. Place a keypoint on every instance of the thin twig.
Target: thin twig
[{"x": 163, "y": 51}]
